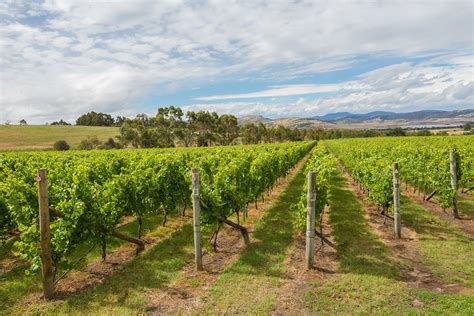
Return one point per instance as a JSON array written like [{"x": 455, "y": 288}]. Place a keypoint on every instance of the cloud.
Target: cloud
[
  {"x": 61, "y": 58},
  {"x": 278, "y": 91},
  {"x": 401, "y": 87}
]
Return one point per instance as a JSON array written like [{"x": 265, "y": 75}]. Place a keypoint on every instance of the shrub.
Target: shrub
[
  {"x": 61, "y": 145},
  {"x": 111, "y": 144},
  {"x": 423, "y": 132},
  {"x": 89, "y": 143}
]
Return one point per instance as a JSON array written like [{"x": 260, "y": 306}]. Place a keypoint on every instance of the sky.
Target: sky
[{"x": 60, "y": 59}]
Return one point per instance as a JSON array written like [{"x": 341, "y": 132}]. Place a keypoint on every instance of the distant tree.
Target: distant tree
[
  {"x": 135, "y": 133},
  {"x": 61, "y": 145},
  {"x": 369, "y": 133},
  {"x": 280, "y": 133},
  {"x": 119, "y": 120},
  {"x": 248, "y": 134},
  {"x": 95, "y": 119},
  {"x": 261, "y": 133},
  {"x": 203, "y": 125},
  {"x": 442, "y": 133},
  {"x": 169, "y": 123},
  {"x": 111, "y": 144},
  {"x": 23, "y": 122},
  {"x": 128, "y": 134},
  {"x": 396, "y": 132},
  {"x": 60, "y": 122},
  {"x": 467, "y": 127},
  {"x": 227, "y": 129},
  {"x": 147, "y": 137},
  {"x": 89, "y": 143},
  {"x": 145, "y": 120},
  {"x": 423, "y": 132}
]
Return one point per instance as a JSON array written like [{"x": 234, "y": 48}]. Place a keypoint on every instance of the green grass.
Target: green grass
[
  {"x": 16, "y": 284},
  {"x": 250, "y": 286},
  {"x": 446, "y": 249},
  {"x": 359, "y": 249},
  {"x": 14, "y": 137},
  {"x": 466, "y": 206},
  {"x": 368, "y": 280},
  {"x": 125, "y": 292}
]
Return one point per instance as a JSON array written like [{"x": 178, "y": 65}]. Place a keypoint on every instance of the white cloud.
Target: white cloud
[
  {"x": 278, "y": 91},
  {"x": 401, "y": 87},
  {"x": 61, "y": 58},
  {"x": 406, "y": 87}
]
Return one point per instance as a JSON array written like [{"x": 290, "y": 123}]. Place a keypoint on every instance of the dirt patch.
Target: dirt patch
[
  {"x": 10, "y": 262},
  {"x": 186, "y": 294},
  {"x": 298, "y": 279},
  {"x": 467, "y": 196},
  {"x": 465, "y": 222},
  {"x": 405, "y": 251}
]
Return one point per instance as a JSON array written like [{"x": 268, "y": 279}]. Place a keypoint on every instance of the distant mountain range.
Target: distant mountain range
[
  {"x": 377, "y": 119},
  {"x": 389, "y": 116}
]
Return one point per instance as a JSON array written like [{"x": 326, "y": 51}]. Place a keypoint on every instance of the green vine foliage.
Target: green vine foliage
[
  {"x": 424, "y": 163},
  {"x": 94, "y": 190},
  {"x": 324, "y": 164}
]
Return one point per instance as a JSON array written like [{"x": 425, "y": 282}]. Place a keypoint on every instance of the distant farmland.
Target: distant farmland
[{"x": 40, "y": 136}]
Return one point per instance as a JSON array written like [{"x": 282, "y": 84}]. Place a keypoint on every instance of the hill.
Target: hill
[
  {"x": 390, "y": 116},
  {"x": 377, "y": 119},
  {"x": 44, "y": 136},
  {"x": 292, "y": 122}
]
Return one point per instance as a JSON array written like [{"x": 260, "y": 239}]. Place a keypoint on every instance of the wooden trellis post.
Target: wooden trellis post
[
  {"x": 454, "y": 182},
  {"x": 311, "y": 205},
  {"x": 396, "y": 201},
  {"x": 45, "y": 236},
  {"x": 196, "y": 221}
]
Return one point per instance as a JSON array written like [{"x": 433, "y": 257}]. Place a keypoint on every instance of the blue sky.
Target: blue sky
[{"x": 59, "y": 59}]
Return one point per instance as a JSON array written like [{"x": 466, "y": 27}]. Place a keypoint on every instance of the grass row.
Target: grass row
[
  {"x": 250, "y": 286},
  {"x": 369, "y": 281},
  {"x": 466, "y": 206},
  {"x": 16, "y": 284},
  {"x": 446, "y": 249}
]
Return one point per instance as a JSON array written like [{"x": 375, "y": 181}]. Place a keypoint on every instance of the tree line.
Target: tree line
[{"x": 171, "y": 127}]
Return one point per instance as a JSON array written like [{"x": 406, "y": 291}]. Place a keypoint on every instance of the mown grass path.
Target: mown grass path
[
  {"x": 445, "y": 247},
  {"x": 368, "y": 280},
  {"x": 250, "y": 286},
  {"x": 466, "y": 206},
  {"x": 15, "y": 284},
  {"x": 123, "y": 293}
]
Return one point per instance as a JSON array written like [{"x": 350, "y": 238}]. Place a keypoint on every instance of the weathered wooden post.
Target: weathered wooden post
[
  {"x": 311, "y": 201},
  {"x": 454, "y": 181},
  {"x": 396, "y": 201},
  {"x": 45, "y": 236},
  {"x": 196, "y": 221}
]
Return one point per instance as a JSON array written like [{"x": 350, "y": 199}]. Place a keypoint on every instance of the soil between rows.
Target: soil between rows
[
  {"x": 186, "y": 294},
  {"x": 465, "y": 222},
  {"x": 405, "y": 250},
  {"x": 298, "y": 279}
]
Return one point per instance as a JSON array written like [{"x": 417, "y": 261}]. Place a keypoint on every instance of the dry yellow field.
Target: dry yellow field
[{"x": 13, "y": 137}]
